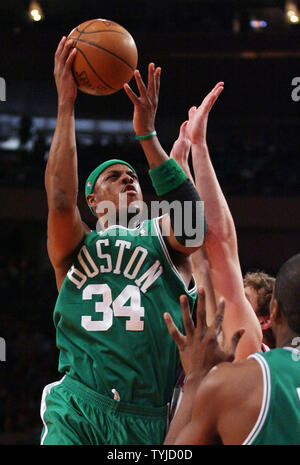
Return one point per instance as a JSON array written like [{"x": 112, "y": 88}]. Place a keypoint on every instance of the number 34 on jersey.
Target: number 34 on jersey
[{"x": 131, "y": 293}]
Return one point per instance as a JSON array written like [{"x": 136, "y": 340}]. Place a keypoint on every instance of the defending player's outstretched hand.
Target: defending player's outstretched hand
[
  {"x": 202, "y": 347},
  {"x": 197, "y": 124}
]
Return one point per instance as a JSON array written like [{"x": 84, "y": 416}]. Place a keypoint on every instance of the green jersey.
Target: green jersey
[
  {"x": 279, "y": 420},
  {"x": 109, "y": 315}
]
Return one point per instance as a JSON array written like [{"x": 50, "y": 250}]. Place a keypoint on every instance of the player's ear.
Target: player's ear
[
  {"x": 275, "y": 312},
  {"x": 91, "y": 200},
  {"x": 265, "y": 322}
]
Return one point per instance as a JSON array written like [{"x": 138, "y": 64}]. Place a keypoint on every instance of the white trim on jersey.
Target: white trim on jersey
[
  {"x": 167, "y": 255},
  {"x": 46, "y": 391},
  {"x": 264, "y": 347},
  {"x": 119, "y": 226},
  {"x": 265, "y": 400}
]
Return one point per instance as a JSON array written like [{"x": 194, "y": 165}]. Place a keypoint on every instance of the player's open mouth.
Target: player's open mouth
[{"x": 129, "y": 190}]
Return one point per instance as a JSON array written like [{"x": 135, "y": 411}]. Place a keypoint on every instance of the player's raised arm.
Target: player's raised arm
[
  {"x": 65, "y": 228},
  {"x": 221, "y": 240},
  {"x": 200, "y": 264},
  {"x": 169, "y": 180}
]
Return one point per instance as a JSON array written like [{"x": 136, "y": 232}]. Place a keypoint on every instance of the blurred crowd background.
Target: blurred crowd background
[{"x": 253, "y": 136}]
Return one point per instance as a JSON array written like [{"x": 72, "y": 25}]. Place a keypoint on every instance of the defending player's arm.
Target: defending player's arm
[
  {"x": 65, "y": 227},
  {"x": 221, "y": 240},
  {"x": 200, "y": 265},
  {"x": 201, "y": 406},
  {"x": 169, "y": 180},
  {"x": 200, "y": 351},
  {"x": 225, "y": 408}
]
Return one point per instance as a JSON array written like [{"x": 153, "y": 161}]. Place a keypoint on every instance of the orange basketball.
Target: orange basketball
[{"x": 106, "y": 56}]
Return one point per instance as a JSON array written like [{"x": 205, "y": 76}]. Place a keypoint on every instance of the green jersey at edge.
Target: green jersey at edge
[{"x": 279, "y": 419}]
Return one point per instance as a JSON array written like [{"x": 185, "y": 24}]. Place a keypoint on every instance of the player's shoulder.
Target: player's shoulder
[
  {"x": 228, "y": 381},
  {"x": 227, "y": 374}
]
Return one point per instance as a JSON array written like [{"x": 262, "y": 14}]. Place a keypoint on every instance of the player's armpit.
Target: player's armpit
[{"x": 193, "y": 243}]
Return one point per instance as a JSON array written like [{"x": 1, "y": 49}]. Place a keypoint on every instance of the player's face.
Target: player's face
[{"x": 119, "y": 185}]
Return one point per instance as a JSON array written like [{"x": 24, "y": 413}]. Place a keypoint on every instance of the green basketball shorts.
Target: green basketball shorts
[{"x": 73, "y": 414}]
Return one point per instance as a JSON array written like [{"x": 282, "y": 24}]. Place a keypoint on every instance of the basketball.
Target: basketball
[{"x": 106, "y": 56}]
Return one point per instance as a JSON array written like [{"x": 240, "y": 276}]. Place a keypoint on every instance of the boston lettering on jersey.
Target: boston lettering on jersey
[{"x": 131, "y": 269}]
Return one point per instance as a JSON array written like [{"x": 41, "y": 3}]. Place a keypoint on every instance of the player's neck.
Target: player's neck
[
  {"x": 286, "y": 338},
  {"x": 269, "y": 339}
]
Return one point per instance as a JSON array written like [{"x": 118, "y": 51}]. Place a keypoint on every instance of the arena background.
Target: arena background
[{"x": 253, "y": 136}]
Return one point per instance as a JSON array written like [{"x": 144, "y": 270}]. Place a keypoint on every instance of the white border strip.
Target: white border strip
[{"x": 265, "y": 400}]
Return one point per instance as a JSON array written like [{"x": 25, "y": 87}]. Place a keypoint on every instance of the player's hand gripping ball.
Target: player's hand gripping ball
[{"x": 106, "y": 56}]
